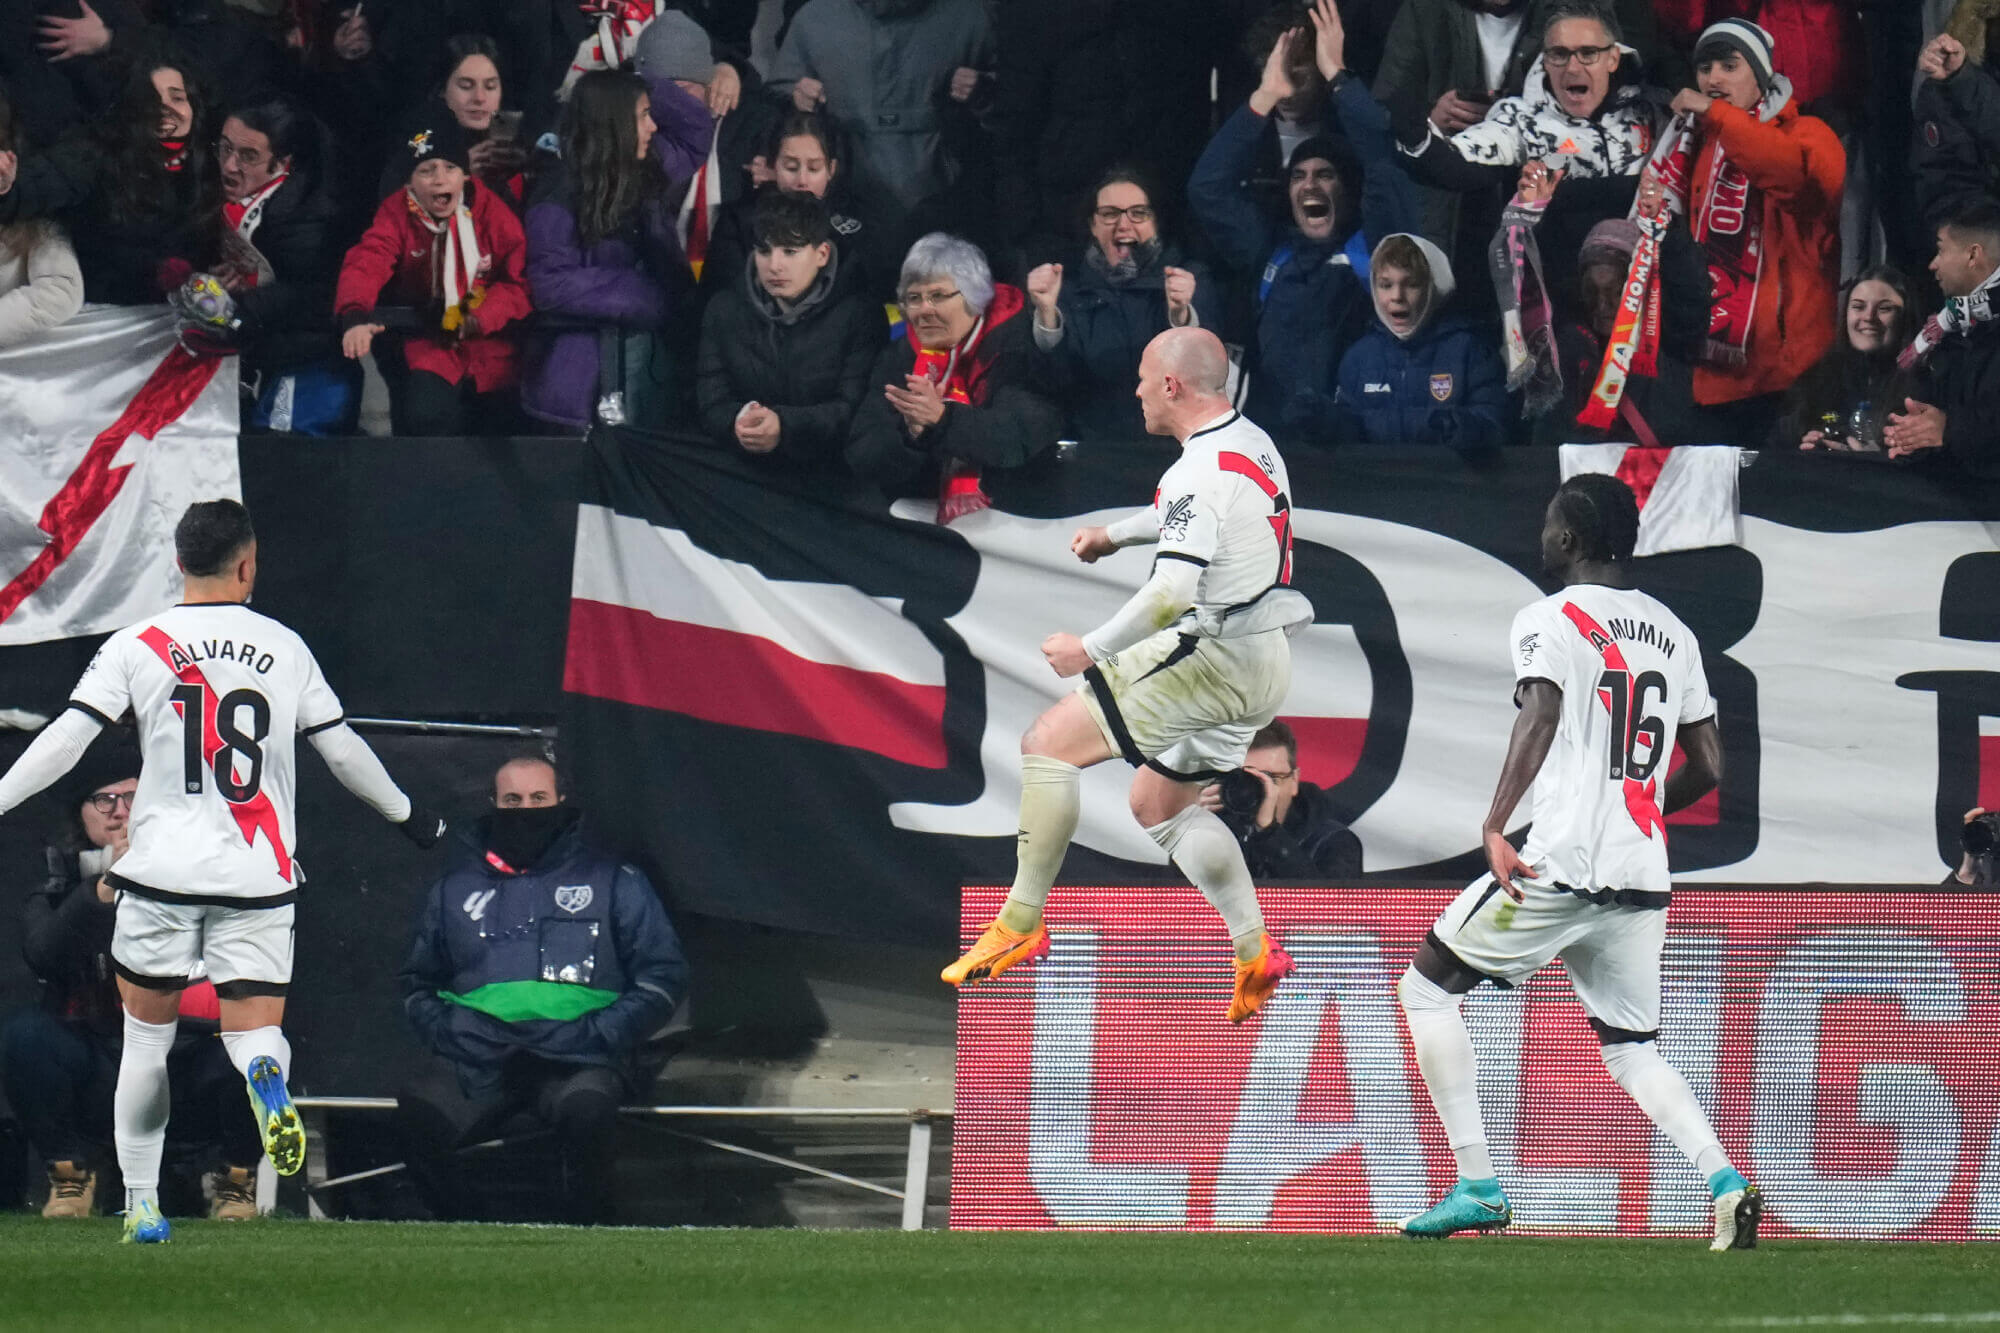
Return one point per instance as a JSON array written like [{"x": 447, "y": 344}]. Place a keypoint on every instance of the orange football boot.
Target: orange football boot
[
  {"x": 996, "y": 950},
  {"x": 1256, "y": 979}
]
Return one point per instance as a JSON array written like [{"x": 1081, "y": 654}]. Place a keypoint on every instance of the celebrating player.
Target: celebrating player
[
  {"x": 1606, "y": 679},
  {"x": 1181, "y": 678},
  {"x": 216, "y": 692}
]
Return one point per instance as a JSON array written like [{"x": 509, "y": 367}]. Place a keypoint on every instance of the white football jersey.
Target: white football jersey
[
  {"x": 217, "y": 693},
  {"x": 1225, "y": 505},
  {"x": 1631, "y": 676}
]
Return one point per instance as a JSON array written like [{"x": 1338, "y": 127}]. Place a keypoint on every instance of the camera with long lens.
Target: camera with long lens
[{"x": 1981, "y": 835}]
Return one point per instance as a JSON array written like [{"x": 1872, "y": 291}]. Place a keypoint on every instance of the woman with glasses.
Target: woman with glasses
[
  {"x": 59, "y": 1060},
  {"x": 960, "y": 393},
  {"x": 1095, "y": 315}
]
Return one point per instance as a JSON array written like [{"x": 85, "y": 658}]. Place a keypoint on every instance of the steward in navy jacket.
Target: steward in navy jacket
[
  {"x": 1438, "y": 382},
  {"x": 571, "y": 959},
  {"x": 1311, "y": 296}
]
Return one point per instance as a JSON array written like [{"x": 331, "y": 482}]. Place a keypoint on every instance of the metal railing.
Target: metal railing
[{"x": 916, "y": 1171}]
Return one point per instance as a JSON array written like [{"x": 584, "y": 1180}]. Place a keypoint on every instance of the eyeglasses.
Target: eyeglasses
[
  {"x": 1557, "y": 56},
  {"x": 104, "y": 802},
  {"x": 1137, "y": 212},
  {"x": 249, "y": 157},
  {"x": 926, "y": 300}
]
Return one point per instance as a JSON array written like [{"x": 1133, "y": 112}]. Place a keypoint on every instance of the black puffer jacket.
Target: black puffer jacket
[
  {"x": 809, "y": 364},
  {"x": 287, "y": 323}
]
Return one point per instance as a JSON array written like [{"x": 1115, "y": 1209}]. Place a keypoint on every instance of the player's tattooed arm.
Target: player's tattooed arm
[
  {"x": 1701, "y": 742},
  {"x": 1540, "y": 704}
]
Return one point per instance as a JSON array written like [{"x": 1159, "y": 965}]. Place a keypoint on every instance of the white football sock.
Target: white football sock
[
  {"x": 1450, "y": 1070},
  {"x": 1050, "y": 802},
  {"x": 1667, "y": 1099},
  {"x": 244, "y": 1047},
  {"x": 1208, "y": 853},
  {"x": 139, "y": 1108}
]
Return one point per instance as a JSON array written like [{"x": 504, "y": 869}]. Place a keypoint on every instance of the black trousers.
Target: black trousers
[
  {"x": 60, "y": 1078},
  {"x": 424, "y": 405},
  {"x": 579, "y": 1103}
]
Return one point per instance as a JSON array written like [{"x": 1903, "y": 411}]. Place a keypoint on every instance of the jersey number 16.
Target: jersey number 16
[{"x": 1636, "y": 735}]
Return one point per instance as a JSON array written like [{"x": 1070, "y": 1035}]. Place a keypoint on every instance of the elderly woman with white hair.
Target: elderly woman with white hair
[{"x": 960, "y": 394}]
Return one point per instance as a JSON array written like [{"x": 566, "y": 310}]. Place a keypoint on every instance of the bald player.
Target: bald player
[{"x": 1179, "y": 681}]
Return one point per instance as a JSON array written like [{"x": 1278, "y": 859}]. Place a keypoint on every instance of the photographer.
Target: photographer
[
  {"x": 1288, "y": 828},
  {"x": 1980, "y": 867}
]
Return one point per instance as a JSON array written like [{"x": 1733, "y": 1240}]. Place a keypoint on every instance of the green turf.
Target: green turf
[{"x": 363, "y": 1275}]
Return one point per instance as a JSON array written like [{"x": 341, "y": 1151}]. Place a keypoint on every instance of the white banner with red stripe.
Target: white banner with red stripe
[
  {"x": 1687, "y": 495},
  {"x": 111, "y": 431}
]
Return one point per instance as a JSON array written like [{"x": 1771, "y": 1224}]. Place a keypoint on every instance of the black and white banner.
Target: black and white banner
[{"x": 803, "y": 710}]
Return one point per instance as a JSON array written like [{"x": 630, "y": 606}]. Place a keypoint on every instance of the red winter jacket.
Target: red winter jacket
[
  {"x": 1814, "y": 43},
  {"x": 1801, "y": 169},
  {"x": 392, "y": 265}
]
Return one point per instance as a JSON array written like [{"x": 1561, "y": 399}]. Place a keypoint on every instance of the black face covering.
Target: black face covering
[{"x": 522, "y": 835}]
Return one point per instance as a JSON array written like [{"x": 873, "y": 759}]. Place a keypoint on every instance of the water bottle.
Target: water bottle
[{"x": 1864, "y": 427}]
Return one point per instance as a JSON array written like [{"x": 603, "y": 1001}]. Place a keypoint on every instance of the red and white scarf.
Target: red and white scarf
[
  {"x": 245, "y": 215},
  {"x": 612, "y": 46},
  {"x": 456, "y": 264},
  {"x": 959, "y": 491}
]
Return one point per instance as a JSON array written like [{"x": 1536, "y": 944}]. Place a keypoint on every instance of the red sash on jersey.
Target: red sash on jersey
[
  {"x": 251, "y": 815},
  {"x": 1641, "y": 799},
  {"x": 1281, "y": 506}
]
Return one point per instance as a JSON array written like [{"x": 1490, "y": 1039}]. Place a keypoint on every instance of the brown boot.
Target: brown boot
[
  {"x": 72, "y": 1190},
  {"x": 235, "y": 1198}
]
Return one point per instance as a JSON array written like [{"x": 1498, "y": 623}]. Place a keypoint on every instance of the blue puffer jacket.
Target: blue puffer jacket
[
  {"x": 1312, "y": 299},
  {"x": 577, "y": 951},
  {"x": 1444, "y": 384}
]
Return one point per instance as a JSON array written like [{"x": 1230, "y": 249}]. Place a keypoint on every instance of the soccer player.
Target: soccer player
[
  {"x": 1181, "y": 678},
  {"x": 1606, "y": 680},
  {"x": 216, "y": 692}
]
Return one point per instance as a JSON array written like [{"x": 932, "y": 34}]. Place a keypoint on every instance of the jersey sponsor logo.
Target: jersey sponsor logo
[
  {"x": 573, "y": 898},
  {"x": 1637, "y": 738},
  {"x": 476, "y": 901},
  {"x": 1441, "y": 386},
  {"x": 215, "y": 740},
  {"x": 1174, "y": 523}
]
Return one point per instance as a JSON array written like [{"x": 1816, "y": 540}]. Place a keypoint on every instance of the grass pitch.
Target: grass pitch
[{"x": 367, "y": 1275}]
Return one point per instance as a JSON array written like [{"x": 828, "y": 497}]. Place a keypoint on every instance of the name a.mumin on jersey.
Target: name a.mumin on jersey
[
  {"x": 1639, "y": 631},
  {"x": 185, "y": 655}
]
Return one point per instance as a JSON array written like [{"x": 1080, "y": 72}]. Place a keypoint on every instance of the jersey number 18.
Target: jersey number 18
[{"x": 231, "y": 740}]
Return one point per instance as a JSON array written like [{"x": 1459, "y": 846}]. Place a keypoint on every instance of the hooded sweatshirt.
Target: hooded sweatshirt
[{"x": 1441, "y": 382}]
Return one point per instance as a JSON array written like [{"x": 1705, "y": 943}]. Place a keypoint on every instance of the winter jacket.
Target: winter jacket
[
  {"x": 121, "y": 257},
  {"x": 628, "y": 280},
  {"x": 1614, "y": 142},
  {"x": 1094, "y": 358},
  {"x": 1010, "y": 420},
  {"x": 1442, "y": 384},
  {"x": 1817, "y": 45},
  {"x": 40, "y": 283},
  {"x": 572, "y": 960},
  {"x": 1312, "y": 300},
  {"x": 887, "y": 73},
  {"x": 392, "y": 266},
  {"x": 285, "y": 321},
  {"x": 1955, "y": 157},
  {"x": 810, "y": 364},
  {"x": 1800, "y": 167},
  {"x": 1961, "y": 378},
  {"x": 1310, "y": 842}
]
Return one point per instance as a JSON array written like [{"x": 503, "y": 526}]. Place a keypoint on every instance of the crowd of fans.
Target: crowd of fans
[{"x": 927, "y": 239}]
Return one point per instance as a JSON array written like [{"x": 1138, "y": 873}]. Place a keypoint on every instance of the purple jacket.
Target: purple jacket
[{"x": 616, "y": 282}]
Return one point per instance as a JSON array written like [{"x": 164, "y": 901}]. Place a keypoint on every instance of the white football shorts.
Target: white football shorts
[
  {"x": 1612, "y": 952},
  {"x": 163, "y": 941},
  {"x": 1186, "y": 705}
]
